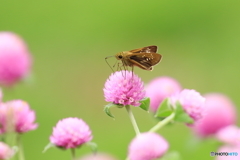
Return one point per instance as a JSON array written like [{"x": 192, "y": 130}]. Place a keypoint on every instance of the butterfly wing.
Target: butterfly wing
[
  {"x": 149, "y": 49},
  {"x": 145, "y": 61}
]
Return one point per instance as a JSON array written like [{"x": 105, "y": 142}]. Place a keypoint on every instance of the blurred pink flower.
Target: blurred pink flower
[
  {"x": 229, "y": 149},
  {"x": 124, "y": 87},
  {"x": 192, "y": 102},
  {"x": 17, "y": 116},
  {"x": 15, "y": 60},
  {"x": 70, "y": 133},
  {"x": 5, "y": 151},
  {"x": 159, "y": 89},
  {"x": 220, "y": 112},
  {"x": 229, "y": 135},
  {"x": 147, "y": 146},
  {"x": 98, "y": 156}
]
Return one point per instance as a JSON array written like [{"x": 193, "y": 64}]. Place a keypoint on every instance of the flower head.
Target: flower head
[
  {"x": 147, "y": 146},
  {"x": 219, "y": 113},
  {"x": 17, "y": 116},
  {"x": 70, "y": 133},
  {"x": 159, "y": 89},
  {"x": 124, "y": 88},
  {"x": 229, "y": 135},
  {"x": 5, "y": 151},
  {"x": 192, "y": 102},
  {"x": 15, "y": 60}
]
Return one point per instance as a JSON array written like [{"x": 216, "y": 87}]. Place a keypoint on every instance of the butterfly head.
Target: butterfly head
[{"x": 119, "y": 56}]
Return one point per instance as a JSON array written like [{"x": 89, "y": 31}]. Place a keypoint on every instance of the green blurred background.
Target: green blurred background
[{"x": 199, "y": 41}]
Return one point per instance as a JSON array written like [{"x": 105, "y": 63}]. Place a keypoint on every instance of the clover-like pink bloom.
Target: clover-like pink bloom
[
  {"x": 192, "y": 102},
  {"x": 5, "y": 151},
  {"x": 15, "y": 59},
  {"x": 159, "y": 89},
  {"x": 234, "y": 150},
  {"x": 125, "y": 88},
  {"x": 98, "y": 156},
  {"x": 147, "y": 146},
  {"x": 16, "y": 116},
  {"x": 71, "y": 133},
  {"x": 220, "y": 112},
  {"x": 229, "y": 135}
]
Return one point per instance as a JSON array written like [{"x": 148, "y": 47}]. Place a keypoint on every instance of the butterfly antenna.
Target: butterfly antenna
[{"x": 108, "y": 63}]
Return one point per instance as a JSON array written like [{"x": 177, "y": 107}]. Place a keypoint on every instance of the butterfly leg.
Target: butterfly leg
[
  {"x": 125, "y": 70},
  {"x": 115, "y": 65},
  {"x": 125, "y": 66},
  {"x": 119, "y": 67}
]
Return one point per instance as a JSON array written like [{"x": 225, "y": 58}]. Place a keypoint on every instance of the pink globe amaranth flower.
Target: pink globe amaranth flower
[
  {"x": 229, "y": 149},
  {"x": 16, "y": 116},
  {"x": 159, "y": 89},
  {"x": 15, "y": 60},
  {"x": 70, "y": 133},
  {"x": 125, "y": 88},
  {"x": 5, "y": 151},
  {"x": 147, "y": 146},
  {"x": 192, "y": 102},
  {"x": 220, "y": 112},
  {"x": 229, "y": 135},
  {"x": 98, "y": 156}
]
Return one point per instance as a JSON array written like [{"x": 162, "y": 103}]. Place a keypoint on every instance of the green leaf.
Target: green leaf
[
  {"x": 164, "y": 110},
  {"x": 93, "y": 146},
  {"x": 145, "y": 103},
  {"x": 49, "y": 145},
  {"x": 107, "y": 109},
  {"x": 181, "y": 115}
]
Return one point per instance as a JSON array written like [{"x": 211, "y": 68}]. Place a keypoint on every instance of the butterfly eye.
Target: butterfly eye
[{"x": 120, "y": 57}]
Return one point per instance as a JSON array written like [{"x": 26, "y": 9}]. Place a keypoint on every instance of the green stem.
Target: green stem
[
  {"x": 73, "y": 153},
  {"x": 162, "y": 123},
  {"x": 20, "y": 148},
  {"x": 132, "y": 119},
  {"x": 10, "y": 138}
]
